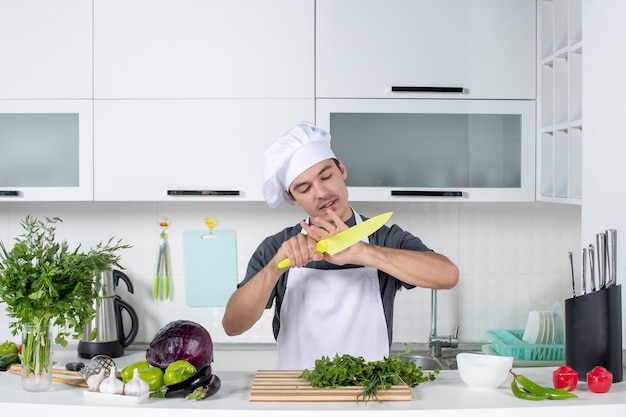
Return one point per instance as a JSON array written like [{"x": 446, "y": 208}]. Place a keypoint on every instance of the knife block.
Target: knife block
[{"x": 593, "y": 332}]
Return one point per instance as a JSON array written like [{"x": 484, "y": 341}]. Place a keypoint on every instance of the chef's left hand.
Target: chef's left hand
[{"x": 322, "y": 228}]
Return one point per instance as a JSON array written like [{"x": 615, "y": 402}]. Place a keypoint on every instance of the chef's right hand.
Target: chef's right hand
[{"x": 300, "y": 249}]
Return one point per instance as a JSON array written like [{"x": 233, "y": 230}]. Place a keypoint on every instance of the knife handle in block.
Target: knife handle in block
[
  {"x": 601, "y": 255},
  {"x": 611, "y": 254}
]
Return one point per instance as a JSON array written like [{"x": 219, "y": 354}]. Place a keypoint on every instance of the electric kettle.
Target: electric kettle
[{"x": 111, "y": 337}]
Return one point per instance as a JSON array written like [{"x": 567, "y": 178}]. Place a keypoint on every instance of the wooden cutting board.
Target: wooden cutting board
[
  {"x": 77, "y": 381},
  {"x": 278, "y": 386}
]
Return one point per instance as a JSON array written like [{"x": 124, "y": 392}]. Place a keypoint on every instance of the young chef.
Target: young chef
[{"x": 327, "y": 304}]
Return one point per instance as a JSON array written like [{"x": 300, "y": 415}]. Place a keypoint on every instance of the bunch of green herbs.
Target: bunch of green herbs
[
  {"x": 374, "y": 376},
  {"x": 44, "y": 282}
]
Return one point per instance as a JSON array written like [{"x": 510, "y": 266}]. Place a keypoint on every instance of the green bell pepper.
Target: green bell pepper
[{"x": 7, "y": 348}]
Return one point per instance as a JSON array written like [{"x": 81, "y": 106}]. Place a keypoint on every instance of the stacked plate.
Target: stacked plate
[
  {"x": 541, "y": 343},
  {"x": 540, "y": 328},
  {"x": 559, "y": 323}
]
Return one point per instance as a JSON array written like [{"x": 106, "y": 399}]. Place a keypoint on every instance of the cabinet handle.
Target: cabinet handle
[
  {"x": 408, "y": 89},
  {"x": 209, "y": 193},
  {"x": 404, "y": 193},
  {"x": 9, "y": 193}
]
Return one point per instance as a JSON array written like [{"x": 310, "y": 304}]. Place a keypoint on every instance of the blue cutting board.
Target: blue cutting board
[{"x": 210, "y": 267}]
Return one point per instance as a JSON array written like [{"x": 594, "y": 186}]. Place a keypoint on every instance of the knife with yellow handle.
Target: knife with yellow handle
[{"x": 346, "y": 238}]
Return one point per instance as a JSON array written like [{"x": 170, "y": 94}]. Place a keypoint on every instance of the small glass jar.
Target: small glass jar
[{"x": 36, "y": 357}]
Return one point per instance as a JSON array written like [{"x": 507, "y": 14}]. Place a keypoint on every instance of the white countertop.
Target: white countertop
[{"x": 445, "y": 396}]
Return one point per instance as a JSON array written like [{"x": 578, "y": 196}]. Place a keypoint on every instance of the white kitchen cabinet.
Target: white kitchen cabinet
[
  {"x": 203, "y": 49},
  {"x": 559, "y": 101},
  {"x": 46, "y": 150},
  {"x": 434, "y": 150},
  {"x": 46, "y": 49},
  {"x": 188, "y": 150},
  {"x": 484, "y": 47}
]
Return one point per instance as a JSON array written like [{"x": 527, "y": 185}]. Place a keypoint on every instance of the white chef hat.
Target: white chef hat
[{"x": 297, "y": 150}]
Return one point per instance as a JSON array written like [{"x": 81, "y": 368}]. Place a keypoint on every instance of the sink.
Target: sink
[{"x": 428, "y": 361}]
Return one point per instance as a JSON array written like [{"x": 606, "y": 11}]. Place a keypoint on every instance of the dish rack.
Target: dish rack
[{"x": 509, "y": 343}]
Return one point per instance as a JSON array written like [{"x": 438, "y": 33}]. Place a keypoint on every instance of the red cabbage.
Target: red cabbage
[{"x": 181, "y": 340}]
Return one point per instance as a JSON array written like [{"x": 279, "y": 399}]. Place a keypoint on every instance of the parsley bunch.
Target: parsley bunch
[
  {"x": 43, "y": 281},
  {"x": 347, "y": 370}
]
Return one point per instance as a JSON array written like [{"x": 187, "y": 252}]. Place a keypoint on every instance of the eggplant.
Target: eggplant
[
  {"x": 186, "y": 387},
  {"x": 206, "y": 391}
]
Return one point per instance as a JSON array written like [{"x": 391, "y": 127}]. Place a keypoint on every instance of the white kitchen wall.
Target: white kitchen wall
[
  {"x": 604, "y": 148},
  {"x": 512, "y": 258}
]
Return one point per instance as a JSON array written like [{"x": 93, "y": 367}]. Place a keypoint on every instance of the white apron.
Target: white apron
[{"x": 326, "y": 312}]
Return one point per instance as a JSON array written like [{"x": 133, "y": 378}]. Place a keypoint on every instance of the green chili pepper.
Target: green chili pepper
[
  {"x": 525, "y": 395},
  {"x": 535, "y": 388},
  {"x": 530, "y": 390}
]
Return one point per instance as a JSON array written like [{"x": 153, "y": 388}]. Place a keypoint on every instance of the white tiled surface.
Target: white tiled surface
[{"x": 512, "y": 257}]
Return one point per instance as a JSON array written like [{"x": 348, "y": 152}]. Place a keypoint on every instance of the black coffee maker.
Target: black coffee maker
[{"x": 111, "y": 337}]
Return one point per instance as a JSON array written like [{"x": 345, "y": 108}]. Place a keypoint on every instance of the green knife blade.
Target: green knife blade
[{"x": 347, "y": 238}]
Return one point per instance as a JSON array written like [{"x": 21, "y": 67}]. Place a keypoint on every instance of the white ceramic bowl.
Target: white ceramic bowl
[{"x": 483, "y": 371}]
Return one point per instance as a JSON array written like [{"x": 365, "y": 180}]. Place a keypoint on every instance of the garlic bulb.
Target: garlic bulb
[
  {"x": 112, "y": 385},
  {"x": 94, "y": 381},
  {"x": 136, "y": 386}
]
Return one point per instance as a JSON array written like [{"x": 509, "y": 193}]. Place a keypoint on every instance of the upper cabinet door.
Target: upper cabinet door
[
  {"x": 204, "y": 48},
  {"x": 485, "y": 48},
  {"x": 46, "y": 150},
  {"x": 46, "y": 49},
  {"x": 434, "y": 150},
  {"x": 187, "y": 150}
]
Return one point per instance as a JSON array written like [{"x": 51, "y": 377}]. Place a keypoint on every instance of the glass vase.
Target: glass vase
[{"x": 36, "y": 357}]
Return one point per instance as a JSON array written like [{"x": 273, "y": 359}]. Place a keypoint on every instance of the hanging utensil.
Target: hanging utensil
[
  {"x": 163, "y": 263},
  {"x": 592, "y": 268},
  {"x": 571, "y": 270},
  {"x": 611, "y": 252}
]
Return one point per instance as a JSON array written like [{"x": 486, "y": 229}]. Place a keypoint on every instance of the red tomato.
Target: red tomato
[
  {"x": 599, "y": 379},
  {"x": 565, "y": 376}
]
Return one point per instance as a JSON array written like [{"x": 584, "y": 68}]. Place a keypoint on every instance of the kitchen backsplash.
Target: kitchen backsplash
[{"x": 512, "y": 258}]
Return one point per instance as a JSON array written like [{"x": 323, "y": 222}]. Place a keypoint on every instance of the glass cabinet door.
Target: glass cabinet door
[
  {"x": 398, "y": 150},
  {"x": 46, "y": 150}
]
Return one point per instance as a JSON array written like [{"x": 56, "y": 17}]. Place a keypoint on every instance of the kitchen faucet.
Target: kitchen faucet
[{"x": 436, "y": 342}]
